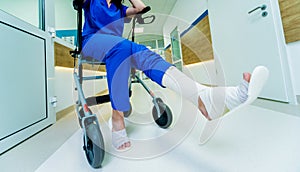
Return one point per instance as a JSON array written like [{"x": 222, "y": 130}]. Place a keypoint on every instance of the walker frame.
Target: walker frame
[{"x": 92, "y": 136}]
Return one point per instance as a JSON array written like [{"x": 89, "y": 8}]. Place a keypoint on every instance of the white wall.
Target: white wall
[
  {"x": 183, "y": 15},
  {"x": 64, "y": 86},
  {"x": 293, "y": 50},
  {"x": 27, "y": 10},
  {"x": 204, "y": 73},
  {"x": 65, "y": 15}
]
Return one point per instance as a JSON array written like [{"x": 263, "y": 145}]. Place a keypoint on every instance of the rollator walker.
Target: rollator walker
[{"x": 93, "y": 143}]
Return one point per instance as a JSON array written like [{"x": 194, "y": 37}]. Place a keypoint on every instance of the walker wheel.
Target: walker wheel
[
  {"x": 164, "y": 118},
  {"x": 94, "y": 146},
  {"x": 127, "y": 113}
]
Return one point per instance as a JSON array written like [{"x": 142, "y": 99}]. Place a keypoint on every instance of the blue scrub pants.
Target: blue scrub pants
[{"x": 120, "y": 55}]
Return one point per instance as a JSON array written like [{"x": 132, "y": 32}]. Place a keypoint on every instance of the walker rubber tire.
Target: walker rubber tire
[
  {"x": 165, "y": 118},
  {"x": 94, "y": 150},
  {"x": 127, "y": 113}
]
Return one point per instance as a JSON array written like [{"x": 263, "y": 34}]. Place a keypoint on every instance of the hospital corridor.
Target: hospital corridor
[{"x": 149, "y": 85}]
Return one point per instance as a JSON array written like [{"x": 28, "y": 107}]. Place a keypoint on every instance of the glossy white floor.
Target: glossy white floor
[{"x": 262, "y": 137}]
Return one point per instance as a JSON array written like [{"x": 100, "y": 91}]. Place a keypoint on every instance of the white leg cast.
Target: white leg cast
[
  {"x": 182, "y": 85},
  {"x": 215, "y": 99}
]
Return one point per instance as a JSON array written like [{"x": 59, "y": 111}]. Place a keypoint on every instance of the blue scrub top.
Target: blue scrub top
[{"x": 103, "y": 19}]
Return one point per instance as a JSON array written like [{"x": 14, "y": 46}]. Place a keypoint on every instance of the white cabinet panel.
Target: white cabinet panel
[
  {"x": 23, "y": 85},
  {"x": 26, "y": 80}
]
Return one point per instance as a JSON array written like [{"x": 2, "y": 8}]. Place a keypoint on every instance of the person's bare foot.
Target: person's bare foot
[
  {"x": 201, "y": 106},
  {"x": 119, "y": 125}
]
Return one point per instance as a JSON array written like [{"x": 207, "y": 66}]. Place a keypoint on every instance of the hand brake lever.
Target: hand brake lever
[{"x": 141, "y": 20}]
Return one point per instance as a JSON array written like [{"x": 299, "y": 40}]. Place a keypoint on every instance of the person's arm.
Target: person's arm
[{"x": 137, "y": 6}]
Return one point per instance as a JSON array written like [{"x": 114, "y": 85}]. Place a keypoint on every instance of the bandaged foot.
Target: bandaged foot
[
  {"x": 120, "y": 141},
  {"x": 213, "y": 102}
]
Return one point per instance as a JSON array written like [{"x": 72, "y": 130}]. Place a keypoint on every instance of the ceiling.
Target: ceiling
[{"x": 161, "y": 9}]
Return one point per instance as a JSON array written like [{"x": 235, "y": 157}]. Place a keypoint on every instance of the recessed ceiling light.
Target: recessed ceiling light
[{"x": 139, "y": 29}]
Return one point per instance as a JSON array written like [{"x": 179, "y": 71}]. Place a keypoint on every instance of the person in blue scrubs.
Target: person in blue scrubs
[{"x": 102, "y": 40}]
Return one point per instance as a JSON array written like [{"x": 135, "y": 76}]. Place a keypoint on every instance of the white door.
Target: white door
[
  {"x": 27, "y": 74},
  {"x": 242, "y": 41}
]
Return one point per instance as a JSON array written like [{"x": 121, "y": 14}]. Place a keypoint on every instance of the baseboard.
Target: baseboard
[
  {"x": 64, "y": 112},
  {"x": 70, "y": 109}
]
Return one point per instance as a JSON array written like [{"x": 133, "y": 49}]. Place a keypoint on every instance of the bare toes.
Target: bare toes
[
  {"x": 121, "y": 147},
  {"x": 247, "y": 76},
  {"x": 127, "y": 144}
]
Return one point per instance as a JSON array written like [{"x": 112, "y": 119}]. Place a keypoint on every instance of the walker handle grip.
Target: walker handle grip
[
  {"x": 77, "y": 4},
  {"x": 142, "y": 20},
  {"x": 145, "y": 10}
]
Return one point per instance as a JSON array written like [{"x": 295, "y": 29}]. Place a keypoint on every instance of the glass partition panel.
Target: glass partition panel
[
  {"x": 176, "y": 49},
  {"x": 160, "y": 43},
  {"x": 151, "y": 44}
]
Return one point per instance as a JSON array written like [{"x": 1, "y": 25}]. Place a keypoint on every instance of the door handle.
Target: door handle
[{"x": 263, "y": 7}]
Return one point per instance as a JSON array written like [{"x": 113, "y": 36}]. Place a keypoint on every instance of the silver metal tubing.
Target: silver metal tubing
[
  {"x": 93, "y": 77},
  {"x": 92, "y": 62},
  {"x": 145, "y": 86},
  {"x": 81, "y": 98}
]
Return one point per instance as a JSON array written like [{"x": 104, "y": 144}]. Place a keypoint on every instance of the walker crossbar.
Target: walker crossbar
[
  {"x": 91, "y": 101},
  {"x": 92, "y": 77}
]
